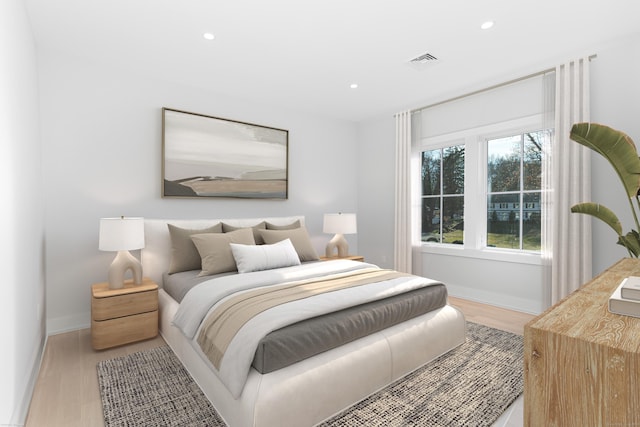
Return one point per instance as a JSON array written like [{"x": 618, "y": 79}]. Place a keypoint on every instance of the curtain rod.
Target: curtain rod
[{"x": 475, "y": 92}]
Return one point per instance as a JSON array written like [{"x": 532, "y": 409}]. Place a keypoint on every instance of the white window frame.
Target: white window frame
[{"x": 475, "y": 192}]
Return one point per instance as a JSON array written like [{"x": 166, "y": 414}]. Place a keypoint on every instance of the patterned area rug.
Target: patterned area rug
[
  {"x": 152, "y": 388},
  {"x": 469, "y": 386}
]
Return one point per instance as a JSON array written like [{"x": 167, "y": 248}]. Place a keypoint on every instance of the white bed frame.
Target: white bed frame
[{"x": 315, "y": 389}]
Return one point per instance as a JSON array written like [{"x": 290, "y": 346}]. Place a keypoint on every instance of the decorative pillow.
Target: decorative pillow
[
  {"x": 299, "y": 237},
  {"x": 184, "y": 255},
  {"x": 264, "y": 257},
  {"x": 215, "y": 250},
  {"x": 260, "y": 226},
  {"x": 294, "y": 224}
]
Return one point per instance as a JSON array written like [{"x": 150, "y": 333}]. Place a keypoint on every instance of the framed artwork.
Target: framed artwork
[{"x": 204, "y": 156}]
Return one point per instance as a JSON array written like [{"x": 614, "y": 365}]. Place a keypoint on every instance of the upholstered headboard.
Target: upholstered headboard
[{"x": 156, "y": 254}]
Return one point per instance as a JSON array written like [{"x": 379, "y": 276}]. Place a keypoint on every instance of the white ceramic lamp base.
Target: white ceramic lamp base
[
  {"x": 338, "y": 241},
  {"x": 121, "y": 263}
]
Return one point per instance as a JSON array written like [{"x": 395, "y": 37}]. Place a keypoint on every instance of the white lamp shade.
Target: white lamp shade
[
  {"x": 121, "y": 234},
  {"x": 340, "y": 223}
]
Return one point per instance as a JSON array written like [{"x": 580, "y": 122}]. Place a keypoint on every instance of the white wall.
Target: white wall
[
  {"x": 22, "y": 311},
  {"x": 615, "y": 93},
  {"x": 510, "y": 284},
  {"x": 101, "y": 130},
  {"x": 615, "y": 101},
  {"x": 376, "y": 186}
]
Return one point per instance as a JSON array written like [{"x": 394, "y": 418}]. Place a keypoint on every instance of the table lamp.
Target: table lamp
[
  {"x": 122, "y": 235},
  {"x": 340, "y": 224}
]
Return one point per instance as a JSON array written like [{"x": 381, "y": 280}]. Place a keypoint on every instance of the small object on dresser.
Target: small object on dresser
[
  {"x": 624, "y": 306},
  {"x": 631, "y": 288}
]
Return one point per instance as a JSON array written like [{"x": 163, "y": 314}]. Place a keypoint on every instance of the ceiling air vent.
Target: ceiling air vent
[{"x": 423, "y": 60}]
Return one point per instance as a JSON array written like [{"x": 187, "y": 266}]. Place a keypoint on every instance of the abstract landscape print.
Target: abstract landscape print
[{"x": 206, "y": 156}]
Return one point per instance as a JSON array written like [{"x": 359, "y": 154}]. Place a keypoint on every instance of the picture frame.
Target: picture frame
[{"x": 206, "y": 156}]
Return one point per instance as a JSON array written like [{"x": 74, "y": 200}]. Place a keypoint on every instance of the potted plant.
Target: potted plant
[{"x": 619, "y": 149}]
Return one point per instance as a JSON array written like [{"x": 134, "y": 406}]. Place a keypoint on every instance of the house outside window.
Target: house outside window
[{"x": 514, "y": 167}]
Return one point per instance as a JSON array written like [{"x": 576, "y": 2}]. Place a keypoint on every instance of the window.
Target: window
[
  {"x": 498, "y": 211},
  {"x": 442, "y": 176},
  {"x": 481, "y": 189},
  {"x": 514, "y": 166}
]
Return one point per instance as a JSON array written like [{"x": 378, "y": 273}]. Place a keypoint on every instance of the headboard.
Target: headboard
[{"x": 156, "y": 254}]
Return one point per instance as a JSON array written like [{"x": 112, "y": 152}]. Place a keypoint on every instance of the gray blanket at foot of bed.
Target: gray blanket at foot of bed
[{"x": 307, "y": 338}]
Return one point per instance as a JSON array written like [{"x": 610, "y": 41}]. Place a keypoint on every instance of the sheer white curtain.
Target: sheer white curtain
[
  {"x": 402, "y": 251},
  {"x": 566, "y": 237}
]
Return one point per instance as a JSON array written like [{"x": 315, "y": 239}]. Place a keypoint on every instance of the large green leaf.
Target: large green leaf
[
  {"x": 601, "y": 212},
  {"x": 631, "y": 241},
  {"x": 617, "y": 147}
]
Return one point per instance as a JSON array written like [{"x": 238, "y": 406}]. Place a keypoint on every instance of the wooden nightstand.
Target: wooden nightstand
[
  {"x": 351, "y": 257},
  {"x": 122, "y": 316}
]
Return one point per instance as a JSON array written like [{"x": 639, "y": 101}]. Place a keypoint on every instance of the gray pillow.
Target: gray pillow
[
  {"x": 294, "y": 224},
  {"x": 184, "y": 255},
  {"x": 260, "y": 226},
  {"x": 215, "y": 249},
  {"x": 299, "y": 237}
]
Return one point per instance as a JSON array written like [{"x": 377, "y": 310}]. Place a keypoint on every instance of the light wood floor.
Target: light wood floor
[
  {"x": 66, "y": 393},
  {"x": 496, "y": 317}
]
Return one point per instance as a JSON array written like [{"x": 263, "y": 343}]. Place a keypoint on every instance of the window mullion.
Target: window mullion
[
  {"x": 441, "y": 195},
  {"x": 478, "y": 192},
  {"x": 521, "y": 190}
]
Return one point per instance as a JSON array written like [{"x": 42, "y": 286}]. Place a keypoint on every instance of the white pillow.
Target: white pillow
[{"x": 264, "y": 257}]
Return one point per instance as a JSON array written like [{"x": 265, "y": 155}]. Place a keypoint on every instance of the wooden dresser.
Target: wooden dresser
[
  {"x": 582, "y": 363},
  {"x": 122, "y": 316}
]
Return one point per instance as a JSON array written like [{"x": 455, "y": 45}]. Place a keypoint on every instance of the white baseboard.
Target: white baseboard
[
  {"x": 59, "y": 325},
  {"x": 499, "y": 300},
  {"x": 19, "y": 417}
]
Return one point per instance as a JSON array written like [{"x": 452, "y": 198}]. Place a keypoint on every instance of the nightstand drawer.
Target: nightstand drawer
[
  {"x": 123, "y": 330},
  {"x": 124, "y": 305}
]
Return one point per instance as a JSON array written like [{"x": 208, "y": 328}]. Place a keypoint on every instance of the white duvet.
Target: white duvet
[{"x": 236, "y": 363}]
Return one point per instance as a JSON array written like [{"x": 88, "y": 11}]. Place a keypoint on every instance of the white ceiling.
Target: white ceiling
[{"x": 304, "y": 54}]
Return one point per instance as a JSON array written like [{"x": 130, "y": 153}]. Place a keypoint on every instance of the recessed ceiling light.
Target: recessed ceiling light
[
  {"x": 208, "y": 36},
  {"x": 353, "y": 85},
  {"x": 486, "y": 25}
]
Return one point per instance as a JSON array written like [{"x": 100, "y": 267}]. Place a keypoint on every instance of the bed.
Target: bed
[{"x": 314, "y": 387}]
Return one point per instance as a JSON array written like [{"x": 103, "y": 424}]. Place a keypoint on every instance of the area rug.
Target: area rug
[{"x": 469, "y": 386}]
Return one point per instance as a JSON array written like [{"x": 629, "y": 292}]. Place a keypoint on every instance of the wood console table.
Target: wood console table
[{"x": 582, "y": 363}]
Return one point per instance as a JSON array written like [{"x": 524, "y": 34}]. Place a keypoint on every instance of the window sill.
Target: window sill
[{"x": 494, "y": 254}]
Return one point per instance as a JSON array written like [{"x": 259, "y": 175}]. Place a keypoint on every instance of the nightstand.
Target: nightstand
[
  {"x": 122, "y": 316},
  {"x": 351, "y": 257}
]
